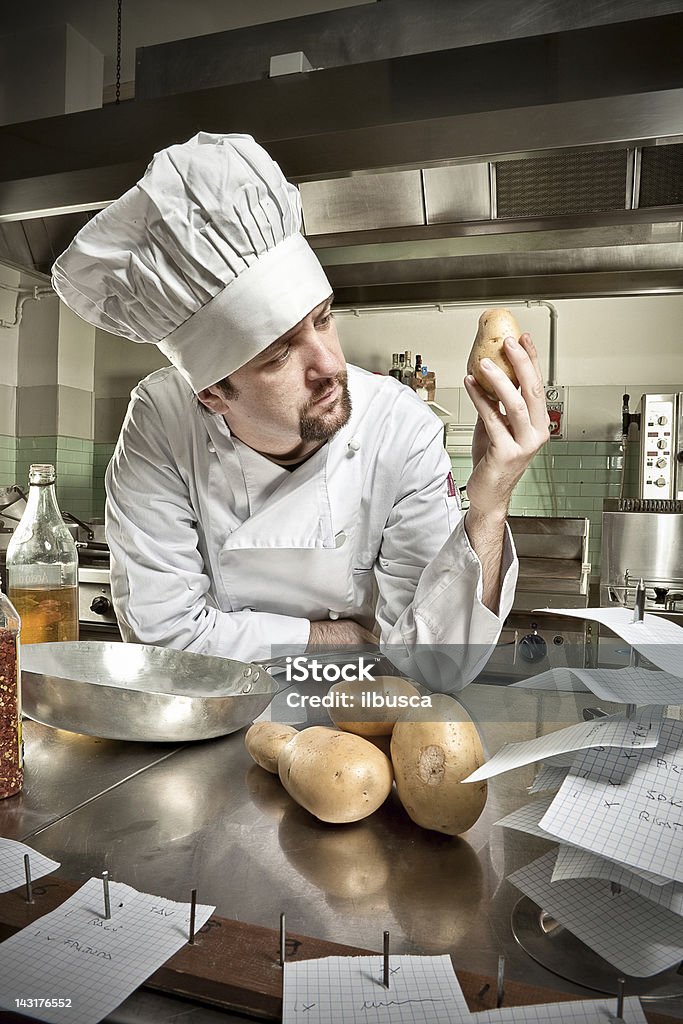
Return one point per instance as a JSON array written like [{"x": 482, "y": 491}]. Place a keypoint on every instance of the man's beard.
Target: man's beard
[{"x": 326, "y": 423}]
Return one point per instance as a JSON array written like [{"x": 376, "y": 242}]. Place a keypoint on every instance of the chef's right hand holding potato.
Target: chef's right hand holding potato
[{"x": 503, "y": 368}]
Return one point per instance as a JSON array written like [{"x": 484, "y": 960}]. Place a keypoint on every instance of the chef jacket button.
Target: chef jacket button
[
  {"x": 353, "y": 445},
  {"x": 212, "y": 449},
  {"x": 334, "y": 615}
]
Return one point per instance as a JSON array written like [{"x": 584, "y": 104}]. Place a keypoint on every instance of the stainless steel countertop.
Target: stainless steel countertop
[{"x": 167, "y": 820}]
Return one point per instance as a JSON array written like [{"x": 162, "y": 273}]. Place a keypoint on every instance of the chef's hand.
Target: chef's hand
[
  {"x": 340, "y": 633},
  {"x": 502, "y": 447},
  {"x": 505, "y": 443}
]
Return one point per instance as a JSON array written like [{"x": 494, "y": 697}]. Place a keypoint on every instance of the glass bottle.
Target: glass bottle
[
  {"x": 11, "y": 755},
  {"x": 407, "y": 374},
  {"x": 42, "y": 565},
  {"x": 395, "y": 370}
]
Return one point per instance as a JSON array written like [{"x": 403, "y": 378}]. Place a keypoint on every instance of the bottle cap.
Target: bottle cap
[{"x": 41, "y": 473}]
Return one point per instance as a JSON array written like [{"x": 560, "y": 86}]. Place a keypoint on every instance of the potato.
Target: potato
[
  {"x": 495, "y": 325},
  {"x": 265, "y": 740},
  {"x": 336, "y": 776},
  {"x": 430, "y": 759},
  {"x": 371, "y": 721}
]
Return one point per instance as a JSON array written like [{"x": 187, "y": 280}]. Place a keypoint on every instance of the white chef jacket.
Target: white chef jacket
[{"x": 218, "y": 550}]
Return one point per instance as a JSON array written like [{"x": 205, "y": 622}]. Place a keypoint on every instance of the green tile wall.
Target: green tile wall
[
  {"x": 8, "y": 459},
  {"x": 568, "y": 478},
  {"x": 72, "y": 458}
]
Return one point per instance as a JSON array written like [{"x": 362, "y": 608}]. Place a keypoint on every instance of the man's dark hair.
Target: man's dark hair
[{"x": 228, "y": 388}]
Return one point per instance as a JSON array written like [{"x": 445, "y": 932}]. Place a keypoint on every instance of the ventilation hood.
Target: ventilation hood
[{"x": 420, "y": 180}]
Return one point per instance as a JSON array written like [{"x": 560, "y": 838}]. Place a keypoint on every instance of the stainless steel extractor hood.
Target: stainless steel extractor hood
[{"x": 419, "y": 181}]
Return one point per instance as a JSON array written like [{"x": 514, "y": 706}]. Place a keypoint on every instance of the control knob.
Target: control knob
[
  {"x": 662, "y": 443},
  {"x": 100, "y": 605},
  {"x": 533, "y": 647},
  {"x": 660, "y": 482},
  {"x": 662, "y": 420},
  {"x": 660, "y": 463}
]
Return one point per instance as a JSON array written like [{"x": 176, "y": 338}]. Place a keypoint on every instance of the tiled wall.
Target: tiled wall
[
  {"x": 102, "y": 453},
  {"x": 72, "y": 458},
  {"x": 7, "y": 460},
  {"x": 567, "y": 478}
]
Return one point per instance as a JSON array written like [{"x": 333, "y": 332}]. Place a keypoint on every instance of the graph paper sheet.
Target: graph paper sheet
[
  {"x": 574, "y": 863},
  {"x": 658, "y": 639},
  {"x": 641, "y": 731},
  {"x": 591, "y": 1011},
  {"x": 626, "y": 805},
  {"x": 548, "y": 777},
  {"x": 73, "y": 953},
  {"x": 422, "y": 990},
  {"x": 561, "y": 679},
  {"x": 630, "y": 685},
  {"x": 12, "y": 872},
  {"x": 528, "y": 818},
  {"x": 637, "y": 936}
]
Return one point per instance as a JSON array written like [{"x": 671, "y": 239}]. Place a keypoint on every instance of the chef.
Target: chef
[{"x": 263, "y": 494}]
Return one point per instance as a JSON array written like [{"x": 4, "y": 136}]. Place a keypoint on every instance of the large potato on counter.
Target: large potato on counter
[
  {"x": 495, "y": 325},
  {"x": 265, "y": 740},
  {"x": 336, "y": 776},
  {"x": 430, "y": 759},
  {"x": 371, "y": 721}
]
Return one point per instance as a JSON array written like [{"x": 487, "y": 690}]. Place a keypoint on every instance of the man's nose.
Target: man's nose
[{"x": 322, "y": 358}]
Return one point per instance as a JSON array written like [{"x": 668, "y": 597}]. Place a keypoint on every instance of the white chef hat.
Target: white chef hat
[{"x": 203, "y": 257}]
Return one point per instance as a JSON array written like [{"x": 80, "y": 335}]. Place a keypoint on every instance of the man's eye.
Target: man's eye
[
  {"x": 324, "y": 320},
  {"x": 282, "y": 356}
]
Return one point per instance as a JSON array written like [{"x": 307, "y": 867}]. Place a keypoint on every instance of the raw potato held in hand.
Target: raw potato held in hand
[
  {"x": 430, "y": 759},
  {"x": 372, "y": 721},
  {"x": 265, "y": 740},
  {"x": 336, "y": 776},
  {"x": 495, "y": 325}
]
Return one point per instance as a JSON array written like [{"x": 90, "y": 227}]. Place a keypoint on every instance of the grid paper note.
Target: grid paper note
[
  {"x": 561, "y": 679},
  {"x": 550, "y": 776},
  {"x": 590, "y": 1011},
  {"x": 638, "y": 937},
  {"x": 613, "y": 731},
  {"x": 632, "y": 685},
  {"x": 574, "y": 863},
  {"x": 658, "y": 639},
  {"x": 626, "y": 805},
  {"x": 75, "y": 954},
  {"x": 12, "y": 873},
  {"x": 527, "y": 818},
  {"x": 422, "y": 990}
]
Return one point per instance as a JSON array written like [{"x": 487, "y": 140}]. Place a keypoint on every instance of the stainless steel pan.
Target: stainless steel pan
[{"x": 136, "y": 692}]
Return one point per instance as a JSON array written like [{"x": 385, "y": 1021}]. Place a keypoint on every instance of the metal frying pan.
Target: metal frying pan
[{"x": 136, "y": 692}]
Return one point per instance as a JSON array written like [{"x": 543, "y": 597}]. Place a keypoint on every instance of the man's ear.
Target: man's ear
[{"x": 213, "y": 398}]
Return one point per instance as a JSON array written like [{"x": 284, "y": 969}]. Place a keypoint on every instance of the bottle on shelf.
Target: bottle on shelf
[
  {"x": 426, "y": 384},
  {"x": 11, "y": 751},
  {"x": 407, "y": 375},
  {"x": 395, "y": 370},
  {"x": 42, "y": 565},
  {"x": 401, "y": 366}
]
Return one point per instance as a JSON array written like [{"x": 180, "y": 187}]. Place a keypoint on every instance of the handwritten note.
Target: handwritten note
[
  {"x": 91, "y": 964},
  {"x": 641, "y": 731},
  {"x": 12, "y": 872},
  {"x": 637, "y": 936},
  {"x": 589, "y": 1011},
  {"x": 658, "y": 639},
  {"x": 422, "y": 990},
  {"x": 626, "y": 805},
  {"x": 575, "y": 863}
]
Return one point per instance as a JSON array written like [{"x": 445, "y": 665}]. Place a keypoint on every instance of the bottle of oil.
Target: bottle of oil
[
  {"x": 42, "y": 566},
  {"x": 11, "y": 750}
]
